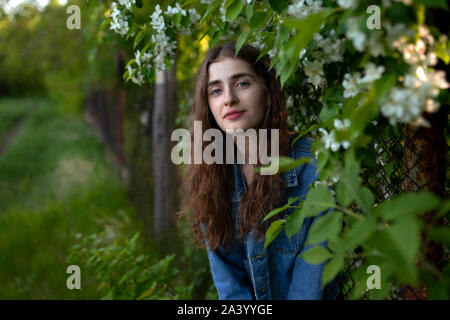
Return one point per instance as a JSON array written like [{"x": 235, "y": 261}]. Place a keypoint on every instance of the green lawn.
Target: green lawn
[{"x": 55, "y": 182}]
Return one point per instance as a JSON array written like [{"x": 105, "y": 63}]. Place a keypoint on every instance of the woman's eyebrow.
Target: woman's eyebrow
[{"x": 233, "y": 77}]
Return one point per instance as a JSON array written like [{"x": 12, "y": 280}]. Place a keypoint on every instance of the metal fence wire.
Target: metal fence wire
[
  {"x": 407, "y": 159},
  {"x": 401, "y": 158}
]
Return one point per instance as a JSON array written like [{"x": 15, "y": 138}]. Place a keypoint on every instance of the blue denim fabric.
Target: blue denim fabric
[{"x": 248, "y": 272}]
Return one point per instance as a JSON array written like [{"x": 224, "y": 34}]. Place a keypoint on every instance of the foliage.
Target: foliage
[
  {"x": 40, "y": 55},
  {"x": 55, "y": 182},
  {"x": 124, "y": 273},
  {"x": 340, "y": 71}
]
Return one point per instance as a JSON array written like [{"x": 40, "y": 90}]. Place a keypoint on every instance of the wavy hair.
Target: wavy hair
[{"x": 207, "y": 187}]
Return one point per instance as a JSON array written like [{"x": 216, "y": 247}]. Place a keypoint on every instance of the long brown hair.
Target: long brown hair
[{"x": 208, "y": 187}]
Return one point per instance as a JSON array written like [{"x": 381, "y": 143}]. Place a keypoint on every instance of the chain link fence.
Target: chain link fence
[{"x": 402, "y": 158}]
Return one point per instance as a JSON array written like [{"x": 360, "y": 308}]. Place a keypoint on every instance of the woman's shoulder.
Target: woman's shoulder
[{"x": 299, "y": 145}]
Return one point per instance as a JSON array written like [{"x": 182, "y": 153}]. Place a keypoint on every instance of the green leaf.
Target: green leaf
[
  {"x": 139, "y": 3},
  {"x": 294, "y": 223},
  {"x": 350, "y": 105},
  {"x": 147, "y": 293},
  {"x": 357, "y": 234},
  {"x": 405, "y": 235},
  {"x": 129, "y": 63},
  {"x": 138, "y": 38},
  {"x": 442, "y": 235},
  {"x": 365, "y": 199},
  {"x": 328, "y": 112},
  {"x": 383, "y": 85},
  {"x": 278, "y": 5},
  {"x": 132, "y": 243},
  {"x": 407, "y": 204},
  {"x": 177, "y": 19},
  {"x": 322, "y": 159},
  {"x": 348, "y": 185},
  {"x": 313, "y": 127},
  {"x": 127, "y": 275},
  {"x": 234, "y": 10},
  {"x": 276, "y": 211},
  {"x": 325, "y": 227},
  {"x": 364, "y": 113},
  {"x": 281, "y": 37},
  {"x": 318, "y": 199},
  {"x": 249, "y": 11},
  {"x": 289, "y": 68},
  {"x": 104, "y": 24},
  {"x": 433, "y": 3},
  {"x": 286, "y": 163},
  {"x": 273, "y": 231},
  {"x": 215, "y": 38},
  {"x": 241, "y": 40},
  {"x": 210, "y": 11},
  {"x": 259, "y": 19},
  {"x": 316, "y": 255},
  {"x": 331, "y": 269},
  {"x": 273, "y": 62},
  {"x": 291, "y": 200},
  {"x": 305, "y": 30}
]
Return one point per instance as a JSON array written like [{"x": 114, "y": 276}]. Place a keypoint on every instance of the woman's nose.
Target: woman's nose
[{"x": 230, "y": 96}]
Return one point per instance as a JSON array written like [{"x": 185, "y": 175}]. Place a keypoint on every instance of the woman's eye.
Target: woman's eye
[{"x": 244, "y": 82}]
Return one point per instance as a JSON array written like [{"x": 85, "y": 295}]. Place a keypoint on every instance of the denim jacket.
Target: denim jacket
[{"x": 277, "y": 273}]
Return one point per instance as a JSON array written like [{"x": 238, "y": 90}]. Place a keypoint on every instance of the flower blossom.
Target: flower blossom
[
  {"x": 351, "y": 84},
  {"x": 303, "y": 8}
]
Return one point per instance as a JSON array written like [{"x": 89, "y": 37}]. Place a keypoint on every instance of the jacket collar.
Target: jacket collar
[{"x": 240, "y": 186}]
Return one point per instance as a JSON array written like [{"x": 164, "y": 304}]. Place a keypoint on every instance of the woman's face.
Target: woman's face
[{"x": 236, "y": 95}]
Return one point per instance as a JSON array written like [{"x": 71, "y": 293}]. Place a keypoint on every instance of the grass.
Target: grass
[
  {"x": 12, "y": 111},
  {"x": 57, "y": 188},
  {"x": 55, "y": 183}
]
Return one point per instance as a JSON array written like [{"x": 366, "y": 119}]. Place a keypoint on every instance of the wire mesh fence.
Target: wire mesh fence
[{"x": 402, "y": 158}]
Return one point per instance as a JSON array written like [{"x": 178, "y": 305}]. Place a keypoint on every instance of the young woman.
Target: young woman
[{"x": 229, "y": 201}]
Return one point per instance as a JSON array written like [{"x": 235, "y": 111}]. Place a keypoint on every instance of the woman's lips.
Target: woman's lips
[{"x": 234, "y": 115}]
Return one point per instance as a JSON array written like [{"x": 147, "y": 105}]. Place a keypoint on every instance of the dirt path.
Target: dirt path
[{"x": 11, "y": 135}]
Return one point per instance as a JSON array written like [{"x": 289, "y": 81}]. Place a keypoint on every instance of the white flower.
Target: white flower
[
  {"x": 223, "y": 11},
  {"x": 194, "y": 15},
  {"x": 303, "y": 8},
  {"x": 350, "y": 84},
  {"x": 332, "y": 47},
  {"x": 177, "y": 9},
  {"x": 372, "y": 73},
  {"x": 402, "y": 104},
  {"x": 135, "y": 75},
  {"x": 302, "y": 53},
  {"x": 272, "y": 52},
  {"x": 344, "y": 124},
  {"x": 127, "y": 3},
  {"x": 330, "y": 142},
  {"x": 375, "y": 44},
  {"x": 118, "y": 24},
  {"x": 137, "y": 56},
  {"x": 353, "y": 33},
  {"x": 314, "y": 72},
  {"x": 397, "y": 34},
  {"x": 346, "y": 4},
  {"x": 157, "y": 20}
]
